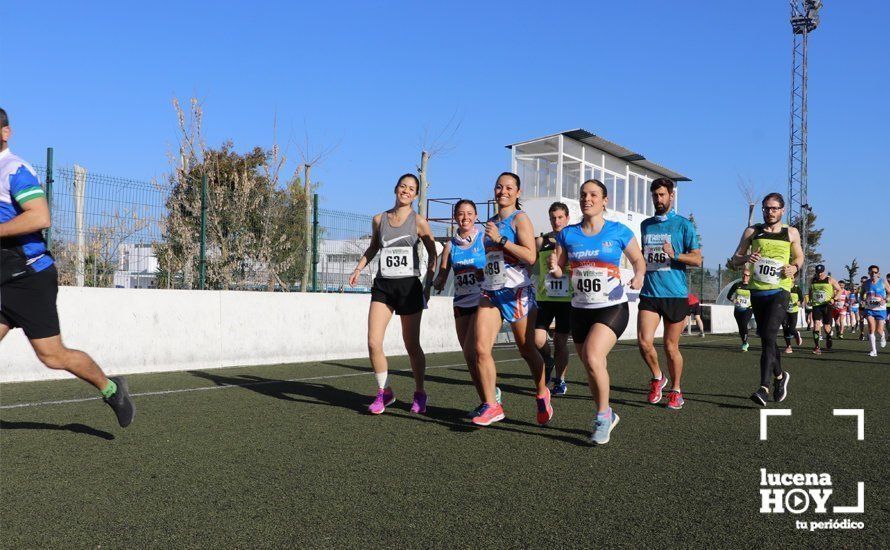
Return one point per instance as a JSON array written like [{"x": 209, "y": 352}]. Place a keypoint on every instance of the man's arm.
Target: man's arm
[
  {"x": 741, "y": 254},
  {"x": 35, "y": 217}
]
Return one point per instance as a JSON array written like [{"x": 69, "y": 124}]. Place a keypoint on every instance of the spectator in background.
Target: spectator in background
[{"x": 694, "y": 315}]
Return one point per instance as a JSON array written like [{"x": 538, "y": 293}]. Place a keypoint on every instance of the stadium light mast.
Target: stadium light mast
[{"x": 804, "y": 20}]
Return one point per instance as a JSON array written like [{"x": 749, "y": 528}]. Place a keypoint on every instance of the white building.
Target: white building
[
  {"x": 137, "y": 266},
  {"x": 552, "y": 168}
]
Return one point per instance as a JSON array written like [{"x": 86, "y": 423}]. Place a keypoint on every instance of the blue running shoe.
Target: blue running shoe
[
  {"x": 602, "y": 428},
  {"x": 497, "y": 395},
  {"x": 559, "y": 387}
]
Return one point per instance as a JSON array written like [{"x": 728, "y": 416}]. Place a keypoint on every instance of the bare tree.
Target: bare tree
[
  {"x": 442, "y": 143},
  {"x": 310, "y": 158},
  {"x": 746, "y": 188}
]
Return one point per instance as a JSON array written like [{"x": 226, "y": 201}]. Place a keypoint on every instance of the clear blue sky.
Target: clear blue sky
[{"x": 702, "y": 88}]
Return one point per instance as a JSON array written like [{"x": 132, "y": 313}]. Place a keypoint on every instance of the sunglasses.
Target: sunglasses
[{"x": 772, "y": 208}]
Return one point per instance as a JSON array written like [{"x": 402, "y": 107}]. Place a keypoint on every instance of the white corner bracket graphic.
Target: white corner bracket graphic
[
  {"x": 766, "y": 413},
  {"x": 860, "y": 422},
  {"x": 860, "y": 502}
]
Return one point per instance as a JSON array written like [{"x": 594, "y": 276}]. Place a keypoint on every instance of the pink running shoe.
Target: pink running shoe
[
  {"x": 419, "y": 404},
  {"x": 675, "y": 400},
  {"x": 489, "y": 415},
  {"x": 384, "y": 399},
  {"x": 655, "y": 387},
  {"x": 545, "y": 409}
]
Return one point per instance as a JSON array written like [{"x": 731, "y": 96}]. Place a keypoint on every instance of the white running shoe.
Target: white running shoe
[{"x": 873, "y": 353}]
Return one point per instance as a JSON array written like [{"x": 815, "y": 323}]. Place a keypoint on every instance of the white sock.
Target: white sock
[
  {"x": 871, "y": 340},
  {"x": 381, "y": 379}
]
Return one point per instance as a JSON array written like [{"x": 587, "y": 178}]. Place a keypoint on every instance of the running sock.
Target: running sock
[
  {"x": 745, "y": 339},
  {"x": 787, "y": 341},
  {"x": 605, "y": 415},
  {"x": 112, "y": 387},
  {"x": 816, "y": 339},
  {"x": 381, "y": 379},
  {"x": 871, "y": 341}
]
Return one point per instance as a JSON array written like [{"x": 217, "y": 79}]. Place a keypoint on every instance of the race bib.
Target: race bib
[
  {"x": 556, "y": 288},
  {"x": 656, "y": 258},
  {"x": 495, "y": 270},
  {"x": 820, "y": 296},
  {"x": 875, "y": 302},
  {"x": 466, "y": 283},
  {"x": 743, "y": 302},
  {"x": 590, "y": 284},
  {"x": 397, "y": 261},
  {"x": 768, "y": 271},
  {"x": 791, "y": 306}
]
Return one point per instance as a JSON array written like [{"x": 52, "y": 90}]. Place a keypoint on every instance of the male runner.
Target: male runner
[
  {"x": 822, "y": 290},
  {"x": 554, "y": 298},
  {"x": 670, "y": 243},
  {"x": 773, "y": 253},
  {"x": 29, "y": 281}
]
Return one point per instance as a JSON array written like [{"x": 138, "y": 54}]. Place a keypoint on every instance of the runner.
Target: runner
[
  {"x": 397, "y": 289},
  {"x": 774, "y": 260},
  {"x": 694, "y": 315},
  {"x": 792, "y": 315},
  {"x": 592, "y": 249},
  {"x": 876, "y": 292},
  {"x": 465, "y": 255},
  {"x": 670, "y": 243},
  {"x": 860, "y": 300},
  {"x": 822, "y": 291},
  {"x": 554, "y": 297},
  {"x": 853, "y": 308},
  {"x": 508, "y": 295},
  {"x": 839, "y": 308},
  {"x": 29, "y": 281},
  {"x": 741, "y": 299}
]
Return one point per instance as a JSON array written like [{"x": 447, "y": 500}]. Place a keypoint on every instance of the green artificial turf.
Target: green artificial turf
[{"x": 299, "y": 463}]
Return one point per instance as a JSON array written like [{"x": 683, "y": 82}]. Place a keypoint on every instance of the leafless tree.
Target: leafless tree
[
  {"x": 309, "y": 158},
  {"x": 440, "y": 144}
]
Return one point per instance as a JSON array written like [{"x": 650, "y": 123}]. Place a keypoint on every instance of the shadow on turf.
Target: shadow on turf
[
  {"x": 451, "y": 418},
  {"x": 73, "y": 428}
]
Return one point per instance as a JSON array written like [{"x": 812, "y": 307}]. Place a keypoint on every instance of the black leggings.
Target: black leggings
[
  {"x": 789, "y": 327},
  {"x": 769, "y": 312},
  {"x": 742, "y": 318}
]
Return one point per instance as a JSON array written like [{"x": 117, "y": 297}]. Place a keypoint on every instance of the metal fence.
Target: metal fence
[{"x": 109, "y": 232}]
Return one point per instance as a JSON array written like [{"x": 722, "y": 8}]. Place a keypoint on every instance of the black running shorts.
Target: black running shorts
[
  {"x": 460, "y": 311},
  {"x": 548, "y": 311},
  {"x": 674, "y": 310},
  {"x": 29, "y": 303},
  {"x": 822, "y": 313},
  {"x": 615, "y": 317},
  {"x": 405, "y": 296}
]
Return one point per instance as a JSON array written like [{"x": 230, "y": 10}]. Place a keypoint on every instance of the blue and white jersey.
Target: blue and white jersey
[
  {"x": 502, "y": 269},
  {"x": 875, "y": 295},
  {"x": 666, "y": 278},
  {"x": 595, "y": 263},
  {"x": 467, "y": 262},
  {"x": 18, "y": 185}
]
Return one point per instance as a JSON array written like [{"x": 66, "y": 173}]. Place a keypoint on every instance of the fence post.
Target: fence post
[
  {"x": 203, "y": 265},
  {"x": 701, "y": 283},
  {"x": 719, "y": 280},
  {"x": 315, "y": 242},
  {"x": 49, "y": 195}
]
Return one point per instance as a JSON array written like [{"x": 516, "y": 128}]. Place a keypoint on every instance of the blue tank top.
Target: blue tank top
[
  {"x": 502, "y": 269},
  {"x": 467, "y": 262},
  {"x": 875, "y": 295}
]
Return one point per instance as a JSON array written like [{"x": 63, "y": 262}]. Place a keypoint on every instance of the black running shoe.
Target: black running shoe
[
  {"x": 121, "y": 402},
  {"x": 780, "y": 388},
  {"x": 761, "y": 396}
]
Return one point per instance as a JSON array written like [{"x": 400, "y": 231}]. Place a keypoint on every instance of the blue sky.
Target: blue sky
[{"x": 702, "y": 88}]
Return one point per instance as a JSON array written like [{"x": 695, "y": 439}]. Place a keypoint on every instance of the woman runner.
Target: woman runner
[
  {"x": 465, "y": 255},
  {"x": 508, "y": 295},
  {"x": 397, "y": 288},
  {"x": 876, "y": 292},
  {"x": 593, "y": 250}
]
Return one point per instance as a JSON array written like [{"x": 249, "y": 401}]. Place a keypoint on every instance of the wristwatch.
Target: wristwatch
[{"x": 503, "y": 241}]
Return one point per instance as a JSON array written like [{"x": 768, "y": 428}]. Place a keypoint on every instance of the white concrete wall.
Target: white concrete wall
[{"x": 131, "y": 330}]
